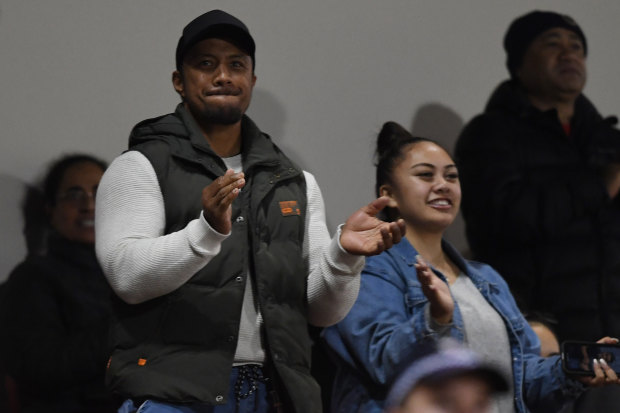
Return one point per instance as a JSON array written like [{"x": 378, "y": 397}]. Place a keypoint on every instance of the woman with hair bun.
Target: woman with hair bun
[{"x": 423, "y": 289}]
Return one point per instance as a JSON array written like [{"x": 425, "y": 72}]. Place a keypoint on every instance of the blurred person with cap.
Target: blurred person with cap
[
  {"x": 445, "y": 377},
  {"x": 216, "y": 246},
  {"x": 540, "y": 171}
]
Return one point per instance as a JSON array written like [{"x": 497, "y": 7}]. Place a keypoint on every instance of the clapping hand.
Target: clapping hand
[
  {"x": 217, "y": 199},
  {"x": 436, "y": 291},
  {"x": 364, "y": 234}
]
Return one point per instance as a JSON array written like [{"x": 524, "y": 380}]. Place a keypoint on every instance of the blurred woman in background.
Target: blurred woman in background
[{"x": 55, "y": 306}]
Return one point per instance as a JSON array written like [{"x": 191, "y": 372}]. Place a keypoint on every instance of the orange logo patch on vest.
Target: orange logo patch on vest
[{"x": 289, "y": 208}]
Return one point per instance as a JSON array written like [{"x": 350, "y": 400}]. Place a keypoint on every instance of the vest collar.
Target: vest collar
[{"x": 257, "y": 148}]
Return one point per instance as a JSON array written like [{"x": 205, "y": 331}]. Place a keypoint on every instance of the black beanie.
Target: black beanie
[
  {"x": 215, "y": 23},
  {"x": 526, "y": 28}
]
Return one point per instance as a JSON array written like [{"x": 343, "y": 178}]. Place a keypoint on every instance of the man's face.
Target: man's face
[
  {"x": 461, "y": 394},
  {"x": 554, "y": 65},
  {"x": 216, "y": 81}
]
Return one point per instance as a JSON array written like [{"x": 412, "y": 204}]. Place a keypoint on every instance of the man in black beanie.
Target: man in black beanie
[
  {"x": 540, "y": 171},
  {"x": 216, "y": 246}
]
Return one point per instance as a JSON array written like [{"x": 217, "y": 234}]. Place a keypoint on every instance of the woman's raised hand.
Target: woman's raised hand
[{"x": 437, "y": 292}]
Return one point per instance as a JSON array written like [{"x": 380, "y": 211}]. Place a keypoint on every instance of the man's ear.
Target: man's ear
[
  {"x": 386, "y": 190},
  {"x": 177, "y": 83}
]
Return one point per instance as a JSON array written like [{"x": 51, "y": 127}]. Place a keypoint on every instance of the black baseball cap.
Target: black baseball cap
[{"x": 219, "y": 24}]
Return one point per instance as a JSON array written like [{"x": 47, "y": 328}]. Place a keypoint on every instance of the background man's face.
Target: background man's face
[
  {"x": 554, "y": 65},
  {"x": 216, "y": 81}
]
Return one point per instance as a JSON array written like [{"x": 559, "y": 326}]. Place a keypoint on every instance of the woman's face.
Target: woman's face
[
  {"x": 73, "y": 215},
  {"x": 425, "y": 188}
]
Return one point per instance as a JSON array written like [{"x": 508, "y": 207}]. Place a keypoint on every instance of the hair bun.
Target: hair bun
[{"x": 390, "y": 138}]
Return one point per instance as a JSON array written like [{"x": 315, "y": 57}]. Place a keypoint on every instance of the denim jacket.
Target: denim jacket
[{"x": 371, "y": 343}]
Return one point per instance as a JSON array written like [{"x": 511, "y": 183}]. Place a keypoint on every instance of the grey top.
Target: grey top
[{"x": 485, "y": 332}]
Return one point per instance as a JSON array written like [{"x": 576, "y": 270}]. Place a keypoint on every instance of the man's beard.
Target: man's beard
[{"x": 220, "y": 115}]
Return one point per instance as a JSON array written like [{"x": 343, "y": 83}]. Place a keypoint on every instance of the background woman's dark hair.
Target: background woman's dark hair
[
  {"x": 57, "y": 170},
  {"x": 546, "y": 319},
  {"x": 391, "y": 144}
]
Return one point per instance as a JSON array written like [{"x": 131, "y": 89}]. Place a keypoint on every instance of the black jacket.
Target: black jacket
[
  {"x": 54, "y": 322},
  {"x": 188, "y": 337},
  {"x": 536, "y": 209}
]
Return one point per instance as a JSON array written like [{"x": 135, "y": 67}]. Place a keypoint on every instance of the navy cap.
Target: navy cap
[
  {"x": 219, "y": 24},
  {"x": 526, "y": 28},
  {"x": 434, "y": 362}
]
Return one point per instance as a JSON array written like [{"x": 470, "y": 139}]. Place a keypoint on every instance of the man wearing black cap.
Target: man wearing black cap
[
  {"x": 216, "y": 245},
  {"x": 540, "y": 171}
]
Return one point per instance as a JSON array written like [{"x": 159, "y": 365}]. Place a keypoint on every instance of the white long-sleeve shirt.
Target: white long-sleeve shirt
[{"x": 141, "y": 263}]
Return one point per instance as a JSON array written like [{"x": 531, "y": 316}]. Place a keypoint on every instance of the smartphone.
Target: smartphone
[{"x": 577, "y": 356}]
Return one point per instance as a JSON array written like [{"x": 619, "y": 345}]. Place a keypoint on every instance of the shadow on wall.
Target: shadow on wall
[
  {"x": 23, "y": 223},
  {"x": 442, "y": 124},
  {"x": 269, "y": 114},
  {"x": 36, "y": 226},
  {"x": 13, "y": 248}
]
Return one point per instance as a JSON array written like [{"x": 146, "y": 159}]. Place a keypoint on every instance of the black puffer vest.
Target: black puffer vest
[{"x": 180, "y": 347}]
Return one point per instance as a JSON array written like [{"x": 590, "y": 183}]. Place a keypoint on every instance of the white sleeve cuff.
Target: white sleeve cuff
[{"x": 339, "y": 258}]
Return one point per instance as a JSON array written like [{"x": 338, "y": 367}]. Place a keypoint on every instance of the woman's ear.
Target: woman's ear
[{"x": 386, "y": 190}]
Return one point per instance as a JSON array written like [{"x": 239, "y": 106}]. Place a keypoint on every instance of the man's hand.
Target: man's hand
[
  {"x": 217, "y": 199},
  {"x": 365, "y": 234}
]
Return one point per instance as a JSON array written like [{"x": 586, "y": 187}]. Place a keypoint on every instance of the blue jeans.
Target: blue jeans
[{"x": 243, "y": 397}]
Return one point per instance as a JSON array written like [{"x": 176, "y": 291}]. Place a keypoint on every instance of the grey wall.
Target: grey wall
[{"x": 76, "y": 75}]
